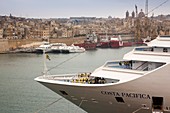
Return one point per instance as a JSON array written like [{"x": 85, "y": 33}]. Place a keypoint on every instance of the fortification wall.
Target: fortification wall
[{"x": 4, "y": 46}]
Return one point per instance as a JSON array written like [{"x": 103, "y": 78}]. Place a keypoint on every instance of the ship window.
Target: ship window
[
  {"x": 157, "y": 103},
  {"x": 63, "y": 92},
  {"x": 165, "y": 50},
  {"x": 120, "y": 99}
]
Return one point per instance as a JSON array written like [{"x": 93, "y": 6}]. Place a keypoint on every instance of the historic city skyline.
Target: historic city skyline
[{"x": 73, "y": 8}]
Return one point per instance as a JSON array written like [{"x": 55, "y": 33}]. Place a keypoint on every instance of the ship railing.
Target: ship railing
[
  {"x": 152, "y": 50},
  {"x": 132, "y": 65},
  {"x": 141, "y": 65},
  {"x": 58, "y": 77},
  {"x": 144, "y": 49},
  {"x": 145, "y": 68},
  {"x": 68, "y": 77}
]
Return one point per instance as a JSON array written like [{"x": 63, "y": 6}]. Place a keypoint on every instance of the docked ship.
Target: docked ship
[
  {"x": 45, "y": 46},
  {"x": 89, "y": 43},
  {"x": 139, "y": 83},
  {"x": 104, "y": 42},
  {"x": 76, "y": 49},
  {"x": 116, "y": 42},
  {"x": 56, "y": 47},
  {"x": 72, "y": 49},
  {"x": 132, "y": 43}
]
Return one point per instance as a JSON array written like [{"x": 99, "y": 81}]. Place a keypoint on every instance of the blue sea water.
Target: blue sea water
[{"x": 19, "y": 93}]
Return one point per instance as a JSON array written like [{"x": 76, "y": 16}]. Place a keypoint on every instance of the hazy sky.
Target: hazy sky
[{"x": 72, "y": 8}]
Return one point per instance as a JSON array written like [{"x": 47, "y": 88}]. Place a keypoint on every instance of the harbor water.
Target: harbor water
[{"x": 19, "y": 93}]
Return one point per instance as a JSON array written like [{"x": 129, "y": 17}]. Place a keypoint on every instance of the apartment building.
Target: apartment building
[{"x": 1, "y": 33}]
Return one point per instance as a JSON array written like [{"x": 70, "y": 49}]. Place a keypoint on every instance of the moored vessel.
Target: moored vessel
[
  {"x": 89, "y": 43},
  {"x": 56, "y": 47},
  {"x": 104, "y": 42},
  {"x": 116, "y": 42},
  {"x": 46, "y": 45}
]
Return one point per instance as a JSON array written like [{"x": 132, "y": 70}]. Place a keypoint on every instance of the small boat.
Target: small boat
[{"x": 46, "y": 45}]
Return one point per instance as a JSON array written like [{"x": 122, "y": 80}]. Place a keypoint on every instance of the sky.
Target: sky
[{"x": 78, "y": 8}]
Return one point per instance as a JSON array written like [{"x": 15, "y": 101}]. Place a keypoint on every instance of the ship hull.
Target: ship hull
[
  {"x": 126, "y": 44},
  {"x": 104, "y": 44},
  {"x": 87, "y": 46},
  {"x": 90, "y": 99},
  {"x": 102, "y": 100},
  {"x": 114, "y": 44},
  {"x": 40, "y": 51},
  {"x": 56, "y": 51}
]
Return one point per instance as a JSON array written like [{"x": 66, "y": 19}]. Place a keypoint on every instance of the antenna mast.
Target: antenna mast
[
  {"x": 158, "y": 6},
  {"x": 146, "y": 8},
  {"x": 45, "y": 65}
]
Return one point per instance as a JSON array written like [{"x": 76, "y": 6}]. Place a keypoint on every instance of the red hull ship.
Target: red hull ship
[
  {"x": 87, "y": 46},
  {"x": 90, "y": 42},
  {"x": 104, "y": 44},
  {"x": 116, "y": 42},
  {"x": 126, "y": 44}
]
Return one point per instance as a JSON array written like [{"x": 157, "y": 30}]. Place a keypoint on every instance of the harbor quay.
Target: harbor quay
[{"x": 8, "y": 46}]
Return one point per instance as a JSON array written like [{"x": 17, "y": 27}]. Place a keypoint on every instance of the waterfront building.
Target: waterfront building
[
  {"x": 4, "y": 46},
  {"x": 22, "y": 28},
  {"x": 67, "y": 33},
  {"x": 8, "y": 33},
  {"x": 1, "y": 33},
  {"x": 45, "y": 33},
  {"x": 64, "y": 34}
]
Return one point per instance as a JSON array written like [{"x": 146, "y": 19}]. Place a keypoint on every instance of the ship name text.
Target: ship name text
[{"x": 127, "y": 95}]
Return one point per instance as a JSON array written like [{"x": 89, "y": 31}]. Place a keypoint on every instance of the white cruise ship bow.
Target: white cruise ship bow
[{"x": 137, "y": 84}]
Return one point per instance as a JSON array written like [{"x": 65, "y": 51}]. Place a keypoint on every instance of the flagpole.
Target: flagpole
[{"x": 45, "y": 65}]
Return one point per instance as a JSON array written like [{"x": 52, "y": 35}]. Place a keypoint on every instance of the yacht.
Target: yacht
[
  {"x": 45, "y": 45},
  {"x": 139, "y": 83},
  {"x": 76, "y": 49},
  {"x": 71, "y": 49},
  {"x": 56, "y": 47}
]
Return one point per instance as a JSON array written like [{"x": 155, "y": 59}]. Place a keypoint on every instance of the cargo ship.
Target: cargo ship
[
  {"x": 116, "y": 42},
  {"x": 89, "y": 43},
  {"x": 104, "y": 42}
]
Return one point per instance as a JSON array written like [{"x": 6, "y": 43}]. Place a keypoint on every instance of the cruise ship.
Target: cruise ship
[{"x": 137, "y": 84}]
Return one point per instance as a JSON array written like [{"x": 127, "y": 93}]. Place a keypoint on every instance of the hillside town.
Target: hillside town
[{"x": 135, "y": 24}]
